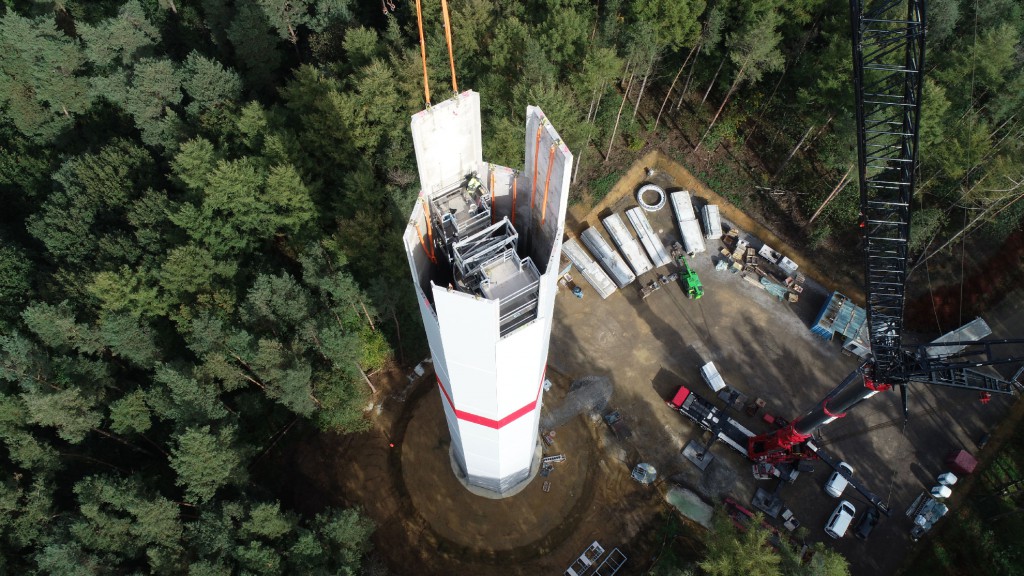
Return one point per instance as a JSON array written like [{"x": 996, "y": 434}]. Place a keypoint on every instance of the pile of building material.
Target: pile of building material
[
  {"x": 765, "y": 268},
  {"x": 773, "y": 288}
]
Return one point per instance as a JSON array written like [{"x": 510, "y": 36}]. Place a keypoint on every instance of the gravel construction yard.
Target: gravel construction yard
[
  {"x": 764, "y": 349},
  {"x": 638, "y": 352}
]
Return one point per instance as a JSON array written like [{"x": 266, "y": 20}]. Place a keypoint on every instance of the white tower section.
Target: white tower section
[{"x": 484, "y": 244}]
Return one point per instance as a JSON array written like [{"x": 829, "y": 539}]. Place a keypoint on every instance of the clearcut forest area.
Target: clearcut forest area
[{"x": 201, "y": 269}]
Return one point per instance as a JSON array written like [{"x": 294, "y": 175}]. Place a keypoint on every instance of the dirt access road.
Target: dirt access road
[{"x": 429, "y": 524}]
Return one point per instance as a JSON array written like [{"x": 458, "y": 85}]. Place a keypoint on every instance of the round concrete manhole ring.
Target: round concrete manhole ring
[{"x": 646, "y": 191}]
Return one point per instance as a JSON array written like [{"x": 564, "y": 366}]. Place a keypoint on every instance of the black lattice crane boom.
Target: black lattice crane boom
[{"x": 888, "y": 64}]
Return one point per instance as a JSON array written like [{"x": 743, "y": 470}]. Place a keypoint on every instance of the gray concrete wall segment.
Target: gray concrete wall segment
[
  {"x": 455, "y": 436},
  {"x": 607, "y": 257},
  {"x": 432, "y": 328},
  {"x": 528, "y": 191},
  {"x": 548, "y": 161},
  {"x": 627, "y": 244},
  {"x": 650, "y": 239},
  {"x": 448, "y": 141},
  {"x": 502, "y": 176}
]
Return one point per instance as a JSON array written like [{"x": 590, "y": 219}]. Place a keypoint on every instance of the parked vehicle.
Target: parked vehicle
[
  {"x": 866, "y": 524},
  {"x": 840, "y": 520},
  {"x": 617, "y": 424},
  {"x": 710, "y": 373},
  {"x": 837, "y": 482}
]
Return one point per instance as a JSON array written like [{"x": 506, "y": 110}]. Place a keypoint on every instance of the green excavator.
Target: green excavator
[{"x": 694, "y": 289}]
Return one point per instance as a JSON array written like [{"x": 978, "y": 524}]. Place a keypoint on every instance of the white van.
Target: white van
[
  {"x": 710, "y": 373},
  {"x": 840, "y": 520},
  {"x": 837, "y": 482}
]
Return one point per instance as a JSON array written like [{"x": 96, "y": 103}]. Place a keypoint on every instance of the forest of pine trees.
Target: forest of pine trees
[{"x": 201, "y": 205}]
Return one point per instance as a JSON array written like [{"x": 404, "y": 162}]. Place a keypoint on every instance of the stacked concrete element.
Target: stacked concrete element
[
  {"x": 689, "y": 229},
  {"x": 627, "y": 244},
  {"x": 483, "y": 243},
  {"x": 654, "y": 246},
  {"x": 712, "y": 222},
  {"x": 590, "y": 270},
  {"x": 609, "y": 259}
]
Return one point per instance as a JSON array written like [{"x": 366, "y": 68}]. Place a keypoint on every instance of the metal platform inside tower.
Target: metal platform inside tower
[
  {"x": 484, "y": 255},
  {"x": 460, "y": 211}
]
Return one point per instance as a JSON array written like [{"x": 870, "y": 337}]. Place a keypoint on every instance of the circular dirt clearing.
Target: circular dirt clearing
[{"x": 484, "y": 525}]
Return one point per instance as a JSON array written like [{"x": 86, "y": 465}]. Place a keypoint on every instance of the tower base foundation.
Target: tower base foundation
[{"x": 485, "y": 492}]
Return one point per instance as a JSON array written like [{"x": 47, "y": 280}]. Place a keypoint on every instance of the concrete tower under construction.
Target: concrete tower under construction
[{"x": 484, "y": 244}]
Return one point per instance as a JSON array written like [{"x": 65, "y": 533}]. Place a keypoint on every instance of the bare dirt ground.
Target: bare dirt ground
[{"x": 427, "y": 523}]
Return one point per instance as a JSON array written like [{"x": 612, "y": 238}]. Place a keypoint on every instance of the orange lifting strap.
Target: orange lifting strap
[
  {"x": 448, "y": 37},
  {"x": 547, "y": 181},
  {"x": 536, "y": 150},
  {"x": 423, "y": 55},
  {"x": 423, "y": 242},
  {"x": 430, "y": 230}
]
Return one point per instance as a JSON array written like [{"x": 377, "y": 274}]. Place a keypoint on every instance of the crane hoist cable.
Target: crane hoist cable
[
  {"x": 547, "y": 181},
  {"x": 448, "y": 37},
  {"x": 423, "y": 56}
]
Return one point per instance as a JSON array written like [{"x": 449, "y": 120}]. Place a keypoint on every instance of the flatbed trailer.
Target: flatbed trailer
[{"x": 709, "y": 417}]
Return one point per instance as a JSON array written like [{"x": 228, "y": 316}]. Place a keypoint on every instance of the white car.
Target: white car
[
  {"x": 837, "y": 482},
  {"x": 840, "y": 520}
]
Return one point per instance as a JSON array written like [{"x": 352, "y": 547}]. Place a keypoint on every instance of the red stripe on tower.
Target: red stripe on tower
[{"x": 489, "y": 422}]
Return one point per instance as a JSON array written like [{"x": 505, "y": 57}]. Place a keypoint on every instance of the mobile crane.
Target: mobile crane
[{"x": 888, "y": 56}]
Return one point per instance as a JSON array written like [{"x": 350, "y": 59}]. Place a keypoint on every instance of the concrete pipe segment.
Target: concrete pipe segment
[{"x": 657, "y": 204}]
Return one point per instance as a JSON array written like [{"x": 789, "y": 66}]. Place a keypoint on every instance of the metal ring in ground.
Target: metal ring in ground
[{"x": 658, "y": 205}]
